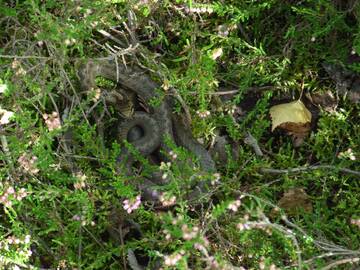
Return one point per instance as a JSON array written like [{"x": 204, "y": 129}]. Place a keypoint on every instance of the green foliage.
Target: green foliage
[{"x": 63, "y": 190}]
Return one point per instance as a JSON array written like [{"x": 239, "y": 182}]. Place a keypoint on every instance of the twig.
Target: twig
[
  {"x": 63, "y": 72},
  {"x": 324, "y": 255},
  {"x": 339, "y": 262},
  {"x": 83, "y": 157},
  {"x": 183, "y": 104},
  {"x": 25, "y": 57},
  {"x": 247, "y": 39},
  {"x": 221, "y": 92},
  {"x": 308, "y": 168},
  {"x": 6, "y": 150},
  {"x": 109, "y": 36},
  {"x": 132, "y": 27},
  {"x": 111, "y": 49}
]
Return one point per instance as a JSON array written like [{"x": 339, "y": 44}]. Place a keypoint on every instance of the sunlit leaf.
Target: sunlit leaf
[{"x": 294, "y": 113}]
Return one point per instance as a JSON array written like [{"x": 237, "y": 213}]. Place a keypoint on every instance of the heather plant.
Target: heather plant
[{"x": 66, "y": 203}]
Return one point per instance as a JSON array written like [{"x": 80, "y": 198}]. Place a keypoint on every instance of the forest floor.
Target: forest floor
[{"x": 268, "y": 90}]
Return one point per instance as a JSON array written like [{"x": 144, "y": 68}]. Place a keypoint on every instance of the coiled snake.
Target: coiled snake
[{"x": 156, "y": 125}]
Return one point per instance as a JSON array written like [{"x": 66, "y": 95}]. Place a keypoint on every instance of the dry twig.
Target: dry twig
[
  {"x": 339, "y": 262},
  {"x": 308, "y": 168}
]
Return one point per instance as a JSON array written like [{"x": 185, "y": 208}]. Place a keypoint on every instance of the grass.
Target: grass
[{"x": 62, "y": 205}]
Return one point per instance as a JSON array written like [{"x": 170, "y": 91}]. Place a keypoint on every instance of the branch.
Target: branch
[
  {"x": 224, "y": 91},
  {"x": 308, "y": 168},
  {"x": 25, "y": 56},
  {"x": 339, "y": 262}
]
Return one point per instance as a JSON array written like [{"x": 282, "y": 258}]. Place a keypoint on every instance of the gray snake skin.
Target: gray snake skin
[{"x": 156, "y": 125}]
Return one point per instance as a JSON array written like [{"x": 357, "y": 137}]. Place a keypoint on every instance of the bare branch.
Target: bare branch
[
  {"x": 308, "y": 168},
  {"x": 339, "y": 262}
]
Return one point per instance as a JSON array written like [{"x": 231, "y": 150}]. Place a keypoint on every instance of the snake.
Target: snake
[{"x": 147, "y": 131}]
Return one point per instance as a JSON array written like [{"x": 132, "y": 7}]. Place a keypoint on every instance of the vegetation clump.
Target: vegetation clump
[{"x": 281, "y": 197}]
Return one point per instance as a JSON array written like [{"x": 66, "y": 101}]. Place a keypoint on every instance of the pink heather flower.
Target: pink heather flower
[
  {"x": 173, "y": 259},
  {"x": 355, "y": 222},
  {"x": 204, "y": 9},
  {"x": 203, "y": 114},
  {"x": 199, "y": 246},
  {"x": 76, "y": 218},
  {"x": 223, "y": 30},
  {"x": 167, "y": 200},
  {"x": 52, "y": 121},
  {"x": 81, "y": 180},
  {"x": 3, "y": 198},
  {"x": 21, "y": 194},
  {"x": 27, "y": 239},
  {"x": 79, "y": 185},
  {"x": 243, "y": 226},
  {"x": 205, "y": 241},
  {"x": 11, "y": 194},
  {"x": 212, "y": 263},
  {"x": 10, "y": 190},
  {"x": 28, "y": 164},
  {"x": 130, "y": 206},
  {"x": 11, "y": 240},
  {"x": 234, "y": 206},
  {"x": 188, "y": 233},
  {"x": 8, "y": 203},
  {"x": 173, "y": 155},
  {"x": 126, "y": 204},
  {"x": 347, "y": 154}
]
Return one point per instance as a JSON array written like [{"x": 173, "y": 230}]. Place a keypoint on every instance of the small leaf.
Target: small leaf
[{"x": 294, "y": 112}]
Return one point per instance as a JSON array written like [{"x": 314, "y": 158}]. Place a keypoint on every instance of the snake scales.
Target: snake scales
[{"x": 147, "y": 131}]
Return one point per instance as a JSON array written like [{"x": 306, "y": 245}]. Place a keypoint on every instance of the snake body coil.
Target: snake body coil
[{"x": 146, "y": 131}]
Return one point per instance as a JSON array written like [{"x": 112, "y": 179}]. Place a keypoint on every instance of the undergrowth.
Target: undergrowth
[{"x": 65, "y": 204}]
